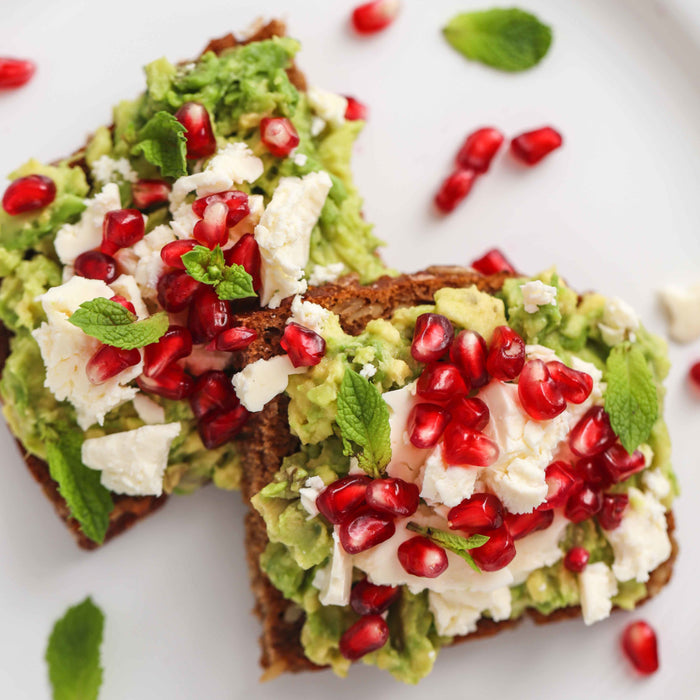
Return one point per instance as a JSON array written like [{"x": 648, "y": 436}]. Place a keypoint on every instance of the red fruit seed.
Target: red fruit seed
[
  {"x": 532, "y": 146},
  {"x": 640, "y": 646},
  {"x": 368, "y": 634},
  {"x": 148, "y": 194},
  {"x": 431, "y": 337},
  {"x": 440, "y": 381},
  {"x": 175, "y": 344},
  {"x": 121, "y": 228},
  {"x": 619, "y": 464},
  {"x": 171, "y": 253},
  {"x": 523, "y": 524},
  {"x": 28, "y": 194},
  {"x": 454, "y": 189},
  {"x": 95, "y": 265},
  {"x": 355, "y": 110},
  {"x": 539, "y": 393},
  {"x": 234, "y": 339},
  {"x": 506, "y": 356},
  {"x": 468, "y": 448},
  {"x": 469, "y": 353},
  {"x": 217, "y": 428},
  {"x": 584, "y": 502},
  {"x": 426, "y": 424},
  {"x": 368, "y": 599},
  {"x": 560, "y": 480},
  {"x": 469, "y": 412},
  {"x": 123, "y": 301},
  {"x": 694, "y": 377},
  {"x": 342, "y": 497},
  {"x": 109, "y": 361},
  {"x": 479, "y": 513},
  {"x": 211, "y": 230},
  {"x": 374, "y": 16},
  {"x": 279, "y": 136},
  {"x": 479, "y": 149},
  {"x": 592, "y": 434},
  {"x": 305, "y": 347},
  {"x": 15, "y": 72},
  {"x": 246, "y": 253},
  {"x": 364, "y": 529},
  {"x": 172, "y": 383},
  {"x": 176, "y": 289},
  {"x": 213, "y": 392},
  {"x": 394, "y": 496},
  {"x": 497, "y": 553},
  {"x": 575, "y": 386},
  {"x": 236, "y": 204},
  {"x": 420, "y": 556},
  {"x": 613, "y": 510},
  {"x": 576, "y": 559},
  {"x": 201, "y": 142},
  {"x": 493, "y": 262},
  {"x": 594, "y": 472},
  {"x": 208, "y": 315}
]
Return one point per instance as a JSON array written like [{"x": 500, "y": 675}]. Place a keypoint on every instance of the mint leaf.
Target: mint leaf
[
  {"x": 73, "y": 653},
  {"x": 209, "y": 267},
  {"x": 449, "y": 540},
  {"x": 89, "y": 502},
  {"x": 507, "y": 39},
  {"x": 363, "y": 419},
  {"x": 114, "y": 325},
  {"x": 631, "y": 399},
  {"x": 162, "y": 142}
]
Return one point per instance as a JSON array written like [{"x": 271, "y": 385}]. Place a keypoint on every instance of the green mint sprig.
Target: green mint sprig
[
  {"x": 114, "y": 325},
  {"x": 363, "y": 419},
  {"x": 162, "y": 142},
  {"x": 449, "y": 540},
  {"x": 631, "y": 399},
  {"x": 73, "y": 653},
  {"x": 209, "y": 267},
  {"x": 507, "y": 39}
]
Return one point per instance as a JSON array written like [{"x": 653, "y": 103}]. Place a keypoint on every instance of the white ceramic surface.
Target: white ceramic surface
[{"x": 616, "y": 210}]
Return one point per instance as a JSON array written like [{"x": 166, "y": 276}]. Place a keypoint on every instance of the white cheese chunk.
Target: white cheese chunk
[
  {"x": 619, "y": 322},
  {"x": 368, "y": 370},
  {"x": 406, "y": 460},
  {"x": 641, "y": 541},
  {"x": 536, "y": 293},
  {"x": 262, "y": 380},
  {"x": 457, "y": 612},
  {"x": 132, "y": 462},
  {"x": 309, "y": 493},
  {"x": 322, "y": 274},
  {"x": 284, "y": 234},
  {"x": 149, "y": 265},
  {"x": 300, "y": 159},
  {"x": 317, "y": 125},
  {"x": 539, "y": 549},
  {"x": 148, "y": 410},
  {"x": 327, "y": 105},
  {"x": 309, "y": 315},
  {"x": 106, "y": 169},
  {"x": 335, "y": 580},
  {"x": 683, "y": 308},
  {"x": 656, "y": 482},
  {"x": 446, "y": 485},
  {"x": 597, "y": 585}
]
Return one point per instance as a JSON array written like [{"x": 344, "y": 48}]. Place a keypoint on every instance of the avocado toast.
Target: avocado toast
[
  {"x": 346, "y": 528},
  {"x": 149, "y": 163}
]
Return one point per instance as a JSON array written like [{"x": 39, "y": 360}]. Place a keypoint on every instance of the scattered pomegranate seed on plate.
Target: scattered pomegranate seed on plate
[
  {"x": 694, "y": 377},
  {"x": 374, "y": 16},
  {"x": 532, "y": 146},
  {"x": 15, "y": 72},
  {"x": 28, "y": 193},
  {"x": 640, "y": 645},
  {"x": 478, "y": 150},
  {"x": 454, "y": 189}
]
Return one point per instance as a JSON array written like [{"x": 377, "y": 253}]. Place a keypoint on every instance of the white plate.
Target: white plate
[{"x": 616, "y": 210}]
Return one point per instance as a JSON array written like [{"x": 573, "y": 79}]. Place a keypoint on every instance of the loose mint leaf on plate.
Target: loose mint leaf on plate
[
  {"x": 449, "y": 540},
  {"x": 112, "y": 324},
  {"x": 73, "y": 653},
  {"x": 631, "y": 399},
  {"x": 162, "y": 142},
  {"x": 209, "y": 267},
  {"x": 508, "y": 39},
  {"x": 89, "y": 502},
  {"x": 363, "y": 419}
]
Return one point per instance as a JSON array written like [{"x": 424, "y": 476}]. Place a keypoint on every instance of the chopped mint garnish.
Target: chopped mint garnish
[
  {"x": 73, "y": 653},
  {"x": 508, "y": 39},
  {"x": 89, "y": 502},
  {"x": 449, "y": 540},
  {"x": 631, "y": 400},
  {"x": 209, "y": 267},
  {"x": 363, "y": 419},
  {"x": 112, "y": 324},
  {"x": 162, "y": 142}
]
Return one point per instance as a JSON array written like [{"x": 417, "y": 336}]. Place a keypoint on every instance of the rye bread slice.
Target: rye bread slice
[{"x": 269, "y": 440}]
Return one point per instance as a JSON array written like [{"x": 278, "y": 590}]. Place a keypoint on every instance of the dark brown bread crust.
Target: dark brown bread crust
[{"x": 269, "y": 441}]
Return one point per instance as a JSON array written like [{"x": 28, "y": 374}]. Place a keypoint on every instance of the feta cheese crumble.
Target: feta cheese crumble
[
  {"x": 310, "y": 315},
  {"x": 619, "y": 322},
  {"x": 309, "y": 493},
  {"x": 327, "y": 105},
  {"x": 683, "y": 308},
  {"x": 368, "y": 370},
  {"x": 106, "y": 169},
  {"x": 262, "y": 380},
  {"x": 458, "y": 612},
  {"x": 132, "y": 462},
  {"x": 446, "y": 485},
  {"x": 335, "y": 580},
  {"x": 322, "y": 274},
  {"x": 148, "y": 410},
  {"x": 536, "y": 294},
  {"x": 597, "y": 586}
]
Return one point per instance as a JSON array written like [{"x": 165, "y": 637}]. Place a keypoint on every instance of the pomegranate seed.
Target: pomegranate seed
[
  {"x": 431, "y": 337},
  {"x": 523, "y": 524},
  {"x": 470, "y": 412},
  {"x": 575, "y": 386},
  {"x": 613, "y": 509},
  {"x": 584, "y": 502},
  {"x": 15, "y": 72},
  {"x": 28, "y": 194},
  {"x": 173, "y": 345},
  {"x": 171, "y": 253},
  {"x": 592, "y": 434},
  {"x": 211, "y": 230},
  {"x": 305, "y": 347},
  {"x": 539, "y": 393},
  {"x": 121, "y": 228},
  {"x": 149, "y": 193},
  {"x": 492, "y": 263},
  {"x": 368, "y": 634},
  {"x": 364, "y": 529},
  {"x": 640, "y": 646},
  {"x": 96, "y": 266},
  {"x": 694, "y": 376},
  {"x": 479, "y": 149},
  {"x": 454, "y": 189},
  {"x": 374, "y": 16},
  {"x": 467, "y": 447},
  {"x": 172, "y": 383},
  {"x": 369, "y": 599},
  {"x": 440, "y": 381},
  {"x": 279, "y": 136},
  {"x": 560, "y": 481},
  {"x": 234, "y": 339},
  {"x": 506, "y": 356},
  {"x": 342, "y": 497},
  {"x": 594, "y": 472},
  {"x": 426, "y": 424},
  {"x": 393, "y": 496},
  {"x": 213, "y": 392},
  {"x": 208, "y": 315},
  {"x": 576, "y": 559},
  {"x": 532, "y": 146},
  {"x": 420, "y": 556},
  {"x": 469, "y": 353},
  {"x": 247, "y": 254},
  {"x": 236, "y": 202},
  {"x": 619, "y": 464},
  {"x": 109, "y": 361},
  {"x": 479, "y": 513},
  {"x": 176, "y": 289},
  {"x": 201, "y": 142},
  {"x": 355, "y": 110},
  {"x": 217, "y": 428},
  {"x": 123, "y": 301},
  {"x": 497, "y": 553}
]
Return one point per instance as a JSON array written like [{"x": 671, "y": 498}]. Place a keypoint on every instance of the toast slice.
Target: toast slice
[{"x": 270, "y": 440}]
